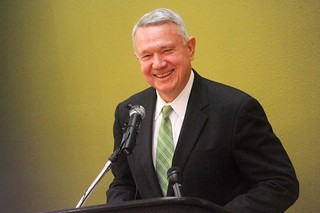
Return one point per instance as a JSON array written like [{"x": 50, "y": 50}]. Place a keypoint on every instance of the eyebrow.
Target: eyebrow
[{"x": 171, "y": 46}]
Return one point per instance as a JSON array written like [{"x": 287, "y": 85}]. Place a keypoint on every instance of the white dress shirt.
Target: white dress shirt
[{"x": 179, "y": 106}]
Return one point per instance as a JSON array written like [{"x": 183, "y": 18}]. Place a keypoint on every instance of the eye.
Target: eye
[
  {"x": 145, "y": 57},
  {"x": 168, "y": 51}
]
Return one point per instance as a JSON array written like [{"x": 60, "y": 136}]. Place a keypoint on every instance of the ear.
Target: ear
[{"x": 191, "y": 44}]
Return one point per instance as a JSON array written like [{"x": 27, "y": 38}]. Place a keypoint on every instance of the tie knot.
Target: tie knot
[{"x": 166, "y": 110}]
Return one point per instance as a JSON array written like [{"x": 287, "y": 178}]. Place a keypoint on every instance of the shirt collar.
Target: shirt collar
[{"x": 179, "y": 104}]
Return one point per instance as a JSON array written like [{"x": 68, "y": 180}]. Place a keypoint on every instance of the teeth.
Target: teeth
[{"x": 164, "y": 75}]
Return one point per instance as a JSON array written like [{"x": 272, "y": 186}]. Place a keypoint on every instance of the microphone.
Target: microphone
[
  {"x": 137, "y": 113},
  {"x": 175, "y": 179}
]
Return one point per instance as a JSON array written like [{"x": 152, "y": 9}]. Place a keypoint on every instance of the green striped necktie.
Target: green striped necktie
[{"x": 165, "y": 149}]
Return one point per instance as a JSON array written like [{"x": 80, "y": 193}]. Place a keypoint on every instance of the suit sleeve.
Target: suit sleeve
[
  {"x": 261, "y": 158},
  {"x": 123, "y": 187}
]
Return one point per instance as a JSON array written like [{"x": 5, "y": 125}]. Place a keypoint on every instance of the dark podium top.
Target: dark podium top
[{"x": 156, "y": 205}]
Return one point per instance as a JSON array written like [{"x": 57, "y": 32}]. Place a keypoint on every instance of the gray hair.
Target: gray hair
[{"x": 161, "y": 16}]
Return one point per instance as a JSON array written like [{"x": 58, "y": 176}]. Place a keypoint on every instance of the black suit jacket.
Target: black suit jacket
[{"x": 227, "y": 152}]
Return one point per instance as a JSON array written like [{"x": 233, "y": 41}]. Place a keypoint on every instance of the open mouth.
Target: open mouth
[{"x": 164, "y": 74}]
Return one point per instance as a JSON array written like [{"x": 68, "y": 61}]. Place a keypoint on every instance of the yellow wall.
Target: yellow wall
[{"x": 66, "y": 64}]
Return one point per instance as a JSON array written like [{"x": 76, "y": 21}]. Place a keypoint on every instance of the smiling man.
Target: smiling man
[{"x": 217, "y": 135}]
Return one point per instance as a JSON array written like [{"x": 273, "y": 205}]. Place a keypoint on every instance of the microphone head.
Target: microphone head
[
  {"x": 137, "y": 109},
  {"x": 174, "y": 175}
]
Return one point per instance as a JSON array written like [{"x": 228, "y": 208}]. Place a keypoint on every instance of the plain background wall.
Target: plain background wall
[{"x": 66, "y": 64}]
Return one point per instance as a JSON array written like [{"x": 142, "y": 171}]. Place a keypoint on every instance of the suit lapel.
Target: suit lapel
[
  {"x": 144, "y": 146},
  {"x": 193, "y": 123}
]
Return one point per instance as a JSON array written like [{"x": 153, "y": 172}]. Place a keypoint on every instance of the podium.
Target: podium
[{"x": 155, "y": 205}]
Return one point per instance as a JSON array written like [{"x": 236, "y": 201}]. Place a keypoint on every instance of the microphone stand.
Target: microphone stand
[
  {"x": 137, "y": 113},
  {"x": 113, "y": 158}
]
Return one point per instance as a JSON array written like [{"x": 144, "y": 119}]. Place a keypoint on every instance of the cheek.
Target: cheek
[
  {"x": 144, "y": 69},
  {"x": 146, "y": 72}
]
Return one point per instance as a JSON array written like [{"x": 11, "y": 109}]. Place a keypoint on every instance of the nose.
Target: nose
[{"x": 158, "y": 62}]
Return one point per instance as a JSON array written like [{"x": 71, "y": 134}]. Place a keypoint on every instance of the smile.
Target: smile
[{"x": 164, "y": 74}]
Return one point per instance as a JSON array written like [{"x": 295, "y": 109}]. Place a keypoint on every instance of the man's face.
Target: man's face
[{"x": 165, "y": 58}]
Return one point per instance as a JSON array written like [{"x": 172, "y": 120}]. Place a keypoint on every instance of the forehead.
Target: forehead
[{"x": 155, "y": 36}]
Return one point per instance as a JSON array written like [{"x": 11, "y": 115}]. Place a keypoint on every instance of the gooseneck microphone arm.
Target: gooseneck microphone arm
[
  {"x": 137, "y": 113},
  {"x": 175, "y": 179}
]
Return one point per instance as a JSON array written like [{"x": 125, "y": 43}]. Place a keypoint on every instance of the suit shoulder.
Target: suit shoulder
[
  {"x": 140, "y": 98},
  {"x": 230, "y": 100},
  {"x": 220, "y": 91}
]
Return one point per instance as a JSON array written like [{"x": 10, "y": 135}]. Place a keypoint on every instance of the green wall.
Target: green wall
[{"x": 64, "y": 65}]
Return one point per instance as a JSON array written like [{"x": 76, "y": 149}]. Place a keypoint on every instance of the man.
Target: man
[{"x": 222, "y": 140}]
